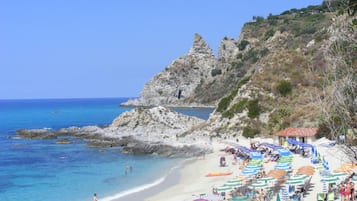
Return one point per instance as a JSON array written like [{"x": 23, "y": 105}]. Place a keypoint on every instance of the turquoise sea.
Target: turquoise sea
[{"x": 40, "y": 170}]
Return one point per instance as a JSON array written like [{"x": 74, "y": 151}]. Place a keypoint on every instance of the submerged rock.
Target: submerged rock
[
  {"x": 36, "y": 134},
  {"x": 63, "y": 141}
]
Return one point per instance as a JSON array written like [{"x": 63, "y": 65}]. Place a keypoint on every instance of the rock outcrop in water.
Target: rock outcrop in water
[{"x": 139, "y": 131}]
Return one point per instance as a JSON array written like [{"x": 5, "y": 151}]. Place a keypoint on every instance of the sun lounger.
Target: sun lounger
[
  {"x": 331, "y": 196},
  {"x": 320, "y": 197}
]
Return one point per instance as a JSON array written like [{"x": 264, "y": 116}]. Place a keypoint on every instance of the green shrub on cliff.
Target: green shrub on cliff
[
  {"x": 243, "y": 44},
  {"x": 226, "y": 101},
  {"x": 253, "y": 108},
  {"x": 215, "y": 72},
  {"x": 284, "y": 87},
  {"x": 249, "y": 132},
  {"x": 236, "y": 108}
]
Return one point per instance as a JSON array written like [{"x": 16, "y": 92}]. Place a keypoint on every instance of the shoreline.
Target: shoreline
[
  {"x": 193, "y": 180},
  {"x": 140, "y": 193},
  {"x": 169, "y": 106}
]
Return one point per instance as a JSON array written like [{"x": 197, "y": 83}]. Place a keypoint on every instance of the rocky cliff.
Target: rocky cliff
[
  {"x": 176, "y": 84},
  {"x": 267, "y": 79},
  {"x": 197, "y": 79}
]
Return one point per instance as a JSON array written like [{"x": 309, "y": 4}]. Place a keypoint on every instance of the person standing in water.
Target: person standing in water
[{"x": 95, "y": 197}]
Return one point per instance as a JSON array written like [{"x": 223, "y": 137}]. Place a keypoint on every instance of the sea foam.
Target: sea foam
[{"x": 141, "y": 187}]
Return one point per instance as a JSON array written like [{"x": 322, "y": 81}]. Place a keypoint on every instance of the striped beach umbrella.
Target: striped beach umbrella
[
  {"x": 234, "y": 183},
  {"x": 223, "y": 188},
  {"x": 354, "y": 179},
  {"x": 259, "y": 185},
  {"x": 286, "y": 168},
  {"x": 299, "y": 177},
  {"x": 339, "y": 174},
  {"x": 330, "y": 179},
  {"x": 249, "y": 172},
  {"x": 294, "y": 182},
  {"x": 265, "y": 179}
]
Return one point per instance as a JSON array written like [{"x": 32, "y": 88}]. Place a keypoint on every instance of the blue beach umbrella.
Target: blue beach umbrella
[
  {"x": 286, "y": 168},
  {"x": 256, "y": 155},
  {"x": 252, "y": 166},
  {"x": 325, "y": 164},
  {"x": 249, "y": 173}
]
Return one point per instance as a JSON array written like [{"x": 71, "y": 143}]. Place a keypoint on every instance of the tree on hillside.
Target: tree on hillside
[{"x": 338, "y": 98}]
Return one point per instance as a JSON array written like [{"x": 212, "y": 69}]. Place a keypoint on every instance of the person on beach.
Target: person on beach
[
  {"x": 95, "y": 197},
  {"x": 352, "y": 188},
  {"x": 342, "y": 192},
  {"x": 348, "y": 191},
  {"x": 262, "y": 195}
]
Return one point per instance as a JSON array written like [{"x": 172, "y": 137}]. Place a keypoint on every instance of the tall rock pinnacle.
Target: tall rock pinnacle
[{"x": 200, "y": 47}]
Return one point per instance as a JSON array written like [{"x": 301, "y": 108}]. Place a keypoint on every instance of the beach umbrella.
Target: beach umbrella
[
  {"x": 284, "y": 152},
  {"x": 233, "y": 183},
  {"x": 306, "y": 172},
  {"x": 277, "y": 173},
  {"x": 354, "y": 179},
  {"x": 252, "y": 166},
  {"x": 265, "y": 179},
  {"x": 301, "y": 177},
  {"x": 339, "y": 174},
  {"x": 249, "y": 172},
  {"x": 259, "y": 185},
  {"x": 256, "y": 155},
  {"x": 294, "y": 182},
  {"x": 286, "y": 168},
  {"x": 283, "y": 166},
  {"x": 268, "y": 180},
  {"x": 223, "y": 188},
  {"x": 329, "y": 179}
]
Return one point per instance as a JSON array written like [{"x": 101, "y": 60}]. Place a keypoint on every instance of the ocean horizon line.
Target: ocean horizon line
[{"x": 64, "y": 98}]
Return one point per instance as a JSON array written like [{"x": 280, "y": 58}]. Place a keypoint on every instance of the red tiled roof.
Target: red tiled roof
[{"x": 297, "y": 132}]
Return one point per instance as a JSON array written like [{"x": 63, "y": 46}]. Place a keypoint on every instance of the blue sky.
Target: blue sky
[{"x": 87, "y": 48}]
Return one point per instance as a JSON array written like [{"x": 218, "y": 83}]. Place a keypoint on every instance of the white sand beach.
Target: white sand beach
[{"x": 193, "y": 182}]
